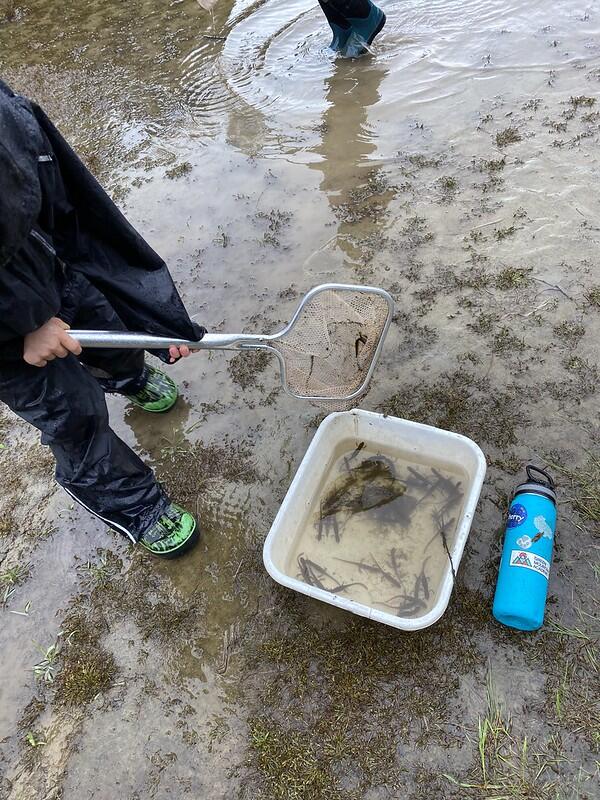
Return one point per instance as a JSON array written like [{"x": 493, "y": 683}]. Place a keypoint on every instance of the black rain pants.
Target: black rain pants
[
  {"x": 65, "y": 401},
  {"x": 339, "y": 11}
]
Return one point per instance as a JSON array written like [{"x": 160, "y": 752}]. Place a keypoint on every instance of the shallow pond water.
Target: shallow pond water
[{"x": 456, "y": 166}]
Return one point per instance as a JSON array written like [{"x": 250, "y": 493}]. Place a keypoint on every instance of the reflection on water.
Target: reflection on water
[
  {"x": 261, "y": 74},
  {"x": 347, "y": 143}
]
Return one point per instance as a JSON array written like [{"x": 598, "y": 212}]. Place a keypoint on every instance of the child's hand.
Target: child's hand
[
  {"x": 49, "y": 342},
  {"x": 176, "y": 352}
]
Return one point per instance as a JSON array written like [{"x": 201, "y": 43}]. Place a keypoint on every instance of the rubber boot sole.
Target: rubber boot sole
[
  {"x": 153, "y": 410},
  {"x": 189, "y": 543}
]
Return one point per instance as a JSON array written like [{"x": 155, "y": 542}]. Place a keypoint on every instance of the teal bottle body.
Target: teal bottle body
[{"x": 522, "y": 587}]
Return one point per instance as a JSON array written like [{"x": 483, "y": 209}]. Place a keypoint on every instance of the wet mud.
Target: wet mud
[{"x": 456, "y": 167}]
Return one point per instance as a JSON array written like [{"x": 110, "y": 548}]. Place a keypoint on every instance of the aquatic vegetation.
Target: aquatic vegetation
[
  {"x": 513, "y": 278},
  {"x": 593, "y": 296},
  {"x": 508, "y": 136},
  {"x": 11, "y": 578},
  {"x": 102, "y": 571},
  {"x": 505, "y": 341},
  {"x": 416, "y": 232},
  {"x": 424, "y": 162},
  {"x": 192, "y": 468},
  {"x": 276, "y": 221},
  {"x": 507, "y": 765},
  {"x": 582, "y": 100},
  {"x": 448, "y": 184},
  {"x": 179, "y": 170},
  {"x": 582, "y": 381},
  {"x": 9, "y": 10},
  {"x": 290, "y": 763},
  {"x": 474, "y": 277},
  {"x": 464, "y": 403},
  {"x": 330, "y": 674},
  {"x": 503, "y": 233},
  {"x": 46, "y": 668},
  {"x": 584, "y": 482},
  {"x": 86, "y": 668},
  {"x": 35, "y": 740},
  {"x": 222, "y": 238},
  {"x": 244, "y": 368},
  {"x": 571, "y": 699},
  {"x": 492, "y": 164},
  {"x": 570, "y": 330},
  {"x": 6, "y": 526},
  {"x": 483, "y": 324},
  {"x": 15, "y": 575}
]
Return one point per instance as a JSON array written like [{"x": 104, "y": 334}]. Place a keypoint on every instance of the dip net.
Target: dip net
[{"x": 330, "y": 348}]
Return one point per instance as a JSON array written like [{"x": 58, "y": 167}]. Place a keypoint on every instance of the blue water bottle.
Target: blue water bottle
[{"x": 522, "y": 586}]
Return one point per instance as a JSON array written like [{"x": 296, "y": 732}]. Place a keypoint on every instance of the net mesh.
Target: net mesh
[{"x": 329, "y": 349}]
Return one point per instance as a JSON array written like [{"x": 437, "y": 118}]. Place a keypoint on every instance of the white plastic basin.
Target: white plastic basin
[{"x": 398, "y": 437}]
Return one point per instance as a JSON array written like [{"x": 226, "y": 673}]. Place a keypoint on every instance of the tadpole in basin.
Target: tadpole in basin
[{"x": 370, "y": 485}]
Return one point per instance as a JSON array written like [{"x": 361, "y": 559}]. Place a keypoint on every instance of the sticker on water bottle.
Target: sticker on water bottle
[
  {"x": 519, "y": 558},
  {"x": 516, "y": 516},
  {"x": 543, "y": 530}
]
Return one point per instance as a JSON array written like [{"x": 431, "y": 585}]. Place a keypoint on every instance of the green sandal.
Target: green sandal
[
  {"x": 173, "y": 533},
  {"x": 159, "y": 393}
]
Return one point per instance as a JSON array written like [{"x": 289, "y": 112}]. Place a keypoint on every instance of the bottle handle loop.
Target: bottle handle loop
[{"x": 548, "y": 480}]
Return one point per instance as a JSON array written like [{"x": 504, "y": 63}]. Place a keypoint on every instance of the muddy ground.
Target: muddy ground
[{"x": 457, "y": 167}]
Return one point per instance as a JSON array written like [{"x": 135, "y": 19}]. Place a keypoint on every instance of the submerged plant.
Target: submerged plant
[
  {"x": 33, "y": 741},
  {"x": 506, "y": 766},
  {"x": 513, "y": 278},
  {"x": 100, "y": 572},
  {"x": 87, "y": 668},
  {"x": 508, "y": 136},
  {"x": 582, "y": 100},
  {"x": 11, "y": 578},
  {"x": 593, "y": 296},
  {"x": 15, "y": 575},
  {"x": 585, "y": 487},
  {"x": 46, "y": 668}
]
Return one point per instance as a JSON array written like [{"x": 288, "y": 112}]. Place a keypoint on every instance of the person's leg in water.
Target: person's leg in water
[
  {"x": 66, "y": 403},
  {"x": 360, "y": 21},
  {"x": 338, "y": 24}
]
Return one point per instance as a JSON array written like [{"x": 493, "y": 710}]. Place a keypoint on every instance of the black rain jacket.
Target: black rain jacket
[{"x": 80, "y": 228}]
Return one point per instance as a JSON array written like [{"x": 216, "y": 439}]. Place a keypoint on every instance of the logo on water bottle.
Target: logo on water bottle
[
  {"x": 516, "y": 515},
  {"x": 519, "y": 558}
]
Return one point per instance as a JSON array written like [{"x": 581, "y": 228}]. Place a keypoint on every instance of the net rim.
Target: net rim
[{"x": 339, "y": 287}]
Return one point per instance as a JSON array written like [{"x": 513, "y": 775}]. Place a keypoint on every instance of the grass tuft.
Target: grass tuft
[
  {"x": 11, "y": 578},
  {"x": 582, "y": 100},
  {"x": 508, "y": 136},
  {"x": 86, "y": 667},
  {"x": 513, "y": 278},
  {"x": 569, "y": 330},
  {"x": 461, "y": 402},
  {"x": 584, "y": 483},
  {"x": 593, "y": 296},
  {"x": 504, "y": 233},
  {"x": 507, "y": 767}
]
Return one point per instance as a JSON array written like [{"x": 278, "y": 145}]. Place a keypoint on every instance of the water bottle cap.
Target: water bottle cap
[{"x": 545, "y": 486}]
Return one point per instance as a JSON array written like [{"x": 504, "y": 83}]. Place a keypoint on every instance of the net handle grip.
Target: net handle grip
[{"x": 126, "y": 340}]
